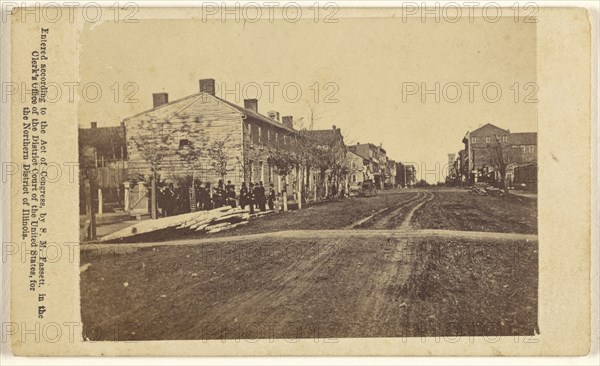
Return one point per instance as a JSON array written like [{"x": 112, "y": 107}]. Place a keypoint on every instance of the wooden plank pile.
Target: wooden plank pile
[
  {"x": 484, "y": 189},
  {"x": 212, "y": 221}
]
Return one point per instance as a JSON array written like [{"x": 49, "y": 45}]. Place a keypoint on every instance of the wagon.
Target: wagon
[{"x": 367, "y": 188}]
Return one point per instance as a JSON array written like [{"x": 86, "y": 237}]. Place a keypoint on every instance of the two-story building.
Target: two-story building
[
  {"x": 328, "y": 153},
  {"x": 377, "y": 158},
  {"x": 358, "y": 171},
  {"x": 489, "y": 146},
  {"x": 202, "y": 136}
]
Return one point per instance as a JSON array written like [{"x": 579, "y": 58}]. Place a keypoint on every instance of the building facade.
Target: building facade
[
  {"x": 376, "y": 157},
  {"x": 207, "y": 138},
  {"x": 489, "y": 148},
  {"x": 358, "y": 171}
]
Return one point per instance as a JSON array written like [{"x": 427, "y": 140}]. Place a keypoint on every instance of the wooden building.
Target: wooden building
[{"x": 204, "y": 137}]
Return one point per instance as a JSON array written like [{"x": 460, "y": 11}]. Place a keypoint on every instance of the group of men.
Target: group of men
[
  {"x": 174, "y": 201},
  {"x": 255, "y": 196}
]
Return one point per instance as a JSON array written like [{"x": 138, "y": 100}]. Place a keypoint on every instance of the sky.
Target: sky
[{"x": 370, "y": 74}]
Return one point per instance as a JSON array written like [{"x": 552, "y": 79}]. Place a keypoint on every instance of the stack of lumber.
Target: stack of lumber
[
  {"x": 212, "y": 221},
  {"x": 483, "y": 189}
]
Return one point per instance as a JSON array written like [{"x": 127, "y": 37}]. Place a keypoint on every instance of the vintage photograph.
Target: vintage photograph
[{"x": 350, "y": 177}]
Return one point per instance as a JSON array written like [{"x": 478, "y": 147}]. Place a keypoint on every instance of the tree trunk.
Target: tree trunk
[
  {"x": 153, "y": 196},
  {"x": 89, "y": 208},
  {"x": 284, "y": 194},
  {"x": 299, "y": 186}
]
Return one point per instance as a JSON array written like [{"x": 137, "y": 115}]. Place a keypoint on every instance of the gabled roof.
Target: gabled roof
[
  {"x": 250, "y": 113},
  {"x": 243, "y": 111},
  {"x": 523, "y": 138},
  {"x": 350, "y": 153},
  {"x": 489, "y": 125},
  {"x": 323, "y": 135}
]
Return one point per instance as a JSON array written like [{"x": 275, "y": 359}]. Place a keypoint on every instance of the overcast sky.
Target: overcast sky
[{"x": 363, "y": 61}]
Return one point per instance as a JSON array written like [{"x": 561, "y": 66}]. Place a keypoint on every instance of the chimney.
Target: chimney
[
  {"x": 358, "y": 143},
  {"x": 94, "y": 124},
  {"x": 251, "y": 104},
  {"x": 159, "y": 99},
  {"x": 207, "y": 86},
  {"x": 288, "y": 121},
  {"x": 334, "y": 127}
]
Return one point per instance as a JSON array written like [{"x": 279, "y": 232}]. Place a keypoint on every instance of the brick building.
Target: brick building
[{"x": 486, "y": 147}]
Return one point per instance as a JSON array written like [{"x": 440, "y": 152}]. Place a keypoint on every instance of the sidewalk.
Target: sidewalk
[{"x": 109, "y": 222}]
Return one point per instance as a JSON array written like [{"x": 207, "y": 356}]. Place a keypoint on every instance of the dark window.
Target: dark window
[{"x": 184, "y": 143}]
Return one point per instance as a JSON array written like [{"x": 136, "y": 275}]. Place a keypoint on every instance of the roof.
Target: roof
[
  {"x": 489, "y": 125},
  {"x": 371, "y": 146},
  {"x": 323, "y": 135},
  {"x": 244, "y": 111},
  {"x": 523, "y": 138},
  {"x": 250, "y": 113}
]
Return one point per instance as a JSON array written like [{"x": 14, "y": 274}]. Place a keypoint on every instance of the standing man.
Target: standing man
[
  {"x": 261, "y": 197},
  {"x": 206, "y": 205},
  {"x": 243, "y": 196},
  {"x": 218, "y": 194},
  {"x": 183, "y": 194},
  {"x": 170, "y": 200},
  {"x": 230, "y": 194},
  {"x": 160, "y": 200},
  {"x": 251, "y": 196},
  {"x": 271, "y": 200}
]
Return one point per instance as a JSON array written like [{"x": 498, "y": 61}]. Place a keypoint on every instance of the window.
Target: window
[
  {"x": 353, "y": 165},
  {"x": 183, "y": 140},
  {"x": 505, "y": 138},
  {"x": 353, "y": 177},
  {"x": 250, "y": 132},
  {"x": 261, "y": 171},
  {"x": 487, "y": 139},
  {"x": 259, "y": 134},
  {"x": 531, "y": 149},
  {"x": 473, "y": 140},
  {"x": 268, "y": 135}
]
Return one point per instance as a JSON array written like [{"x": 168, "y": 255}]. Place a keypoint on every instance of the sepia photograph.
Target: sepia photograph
[
  {"x": 330, "y": 180},
  {"x": 310, "y": 179}
]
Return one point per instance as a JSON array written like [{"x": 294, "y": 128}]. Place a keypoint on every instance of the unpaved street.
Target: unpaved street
[{"x": 381, "y": 278}]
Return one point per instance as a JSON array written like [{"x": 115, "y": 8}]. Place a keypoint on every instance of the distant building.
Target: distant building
[
  {"x": 377, "y": 161},
  {"x": 452, "y": 172},
  {"x": 101, "y": 145},
  {"x": 489, "y": 146},
  {"x": 411, "y": 175},
  {"x": 102, "y": 162},
  {"x": 330, "y": 151},
  {"x": 358, "y": 170},
  {"x": 391, "y": 172}
]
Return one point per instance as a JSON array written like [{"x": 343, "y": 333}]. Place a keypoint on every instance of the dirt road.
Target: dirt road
[
  {"x": 383, "y": 275},
  {"x": 303, "y": 288}
]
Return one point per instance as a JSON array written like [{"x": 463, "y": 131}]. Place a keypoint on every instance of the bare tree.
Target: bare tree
[
  {"x": 154, "y": 146},
  {"x": 189, "y": 154},
  {"x": 219, "y": 155},
  {"x": 501, "y": 156},
  {"x": 251, "y": 154}
]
